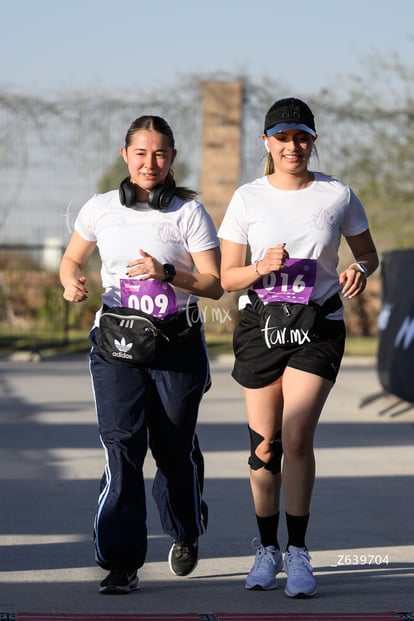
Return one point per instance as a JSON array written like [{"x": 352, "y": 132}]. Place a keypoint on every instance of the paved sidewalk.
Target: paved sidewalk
[{"x": 361, "y": 532}]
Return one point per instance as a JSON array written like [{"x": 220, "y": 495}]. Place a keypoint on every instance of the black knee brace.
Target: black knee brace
[{"x": 274, "y": 465}]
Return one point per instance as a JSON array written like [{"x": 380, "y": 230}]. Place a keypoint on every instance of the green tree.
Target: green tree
[{"x": 373, "y": 123}]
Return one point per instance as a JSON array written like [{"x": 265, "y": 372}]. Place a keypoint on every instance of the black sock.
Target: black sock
[
  {"x": 268, "y": 530},
  {"x": 296, "y": 527}
]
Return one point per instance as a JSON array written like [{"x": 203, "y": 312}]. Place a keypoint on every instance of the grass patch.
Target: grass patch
[
  {"x": 361, "y": 346},
  {"x": 47, "y": 344},
  {"x": 219, "y": 344},
  {"x": 77, "y": 342}
]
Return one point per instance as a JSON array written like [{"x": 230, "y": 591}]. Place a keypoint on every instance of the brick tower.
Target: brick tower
[{"x": 221, "y": 145}]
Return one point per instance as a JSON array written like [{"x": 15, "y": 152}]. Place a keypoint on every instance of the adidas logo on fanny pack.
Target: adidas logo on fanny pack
[{"x": 123, "y": 348}]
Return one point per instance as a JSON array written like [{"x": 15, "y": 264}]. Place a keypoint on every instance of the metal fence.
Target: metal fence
[{"x": 53, "y": 155}]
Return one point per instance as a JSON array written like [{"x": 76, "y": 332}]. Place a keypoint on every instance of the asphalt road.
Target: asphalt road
[{"x": 361, "y": 533}]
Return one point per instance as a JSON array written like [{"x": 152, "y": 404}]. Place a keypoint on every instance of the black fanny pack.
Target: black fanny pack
[
  {"x": 133, "y": 336},
  {"x": 285, "y": 324}
]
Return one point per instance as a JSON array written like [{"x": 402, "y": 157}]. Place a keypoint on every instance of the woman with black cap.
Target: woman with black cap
[{"x": 290, "y": 341}]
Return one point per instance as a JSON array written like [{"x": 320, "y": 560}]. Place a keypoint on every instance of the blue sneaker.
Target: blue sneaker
[
  {"x": 300, "y": 581},
  {"x": 267, "y": 563}
]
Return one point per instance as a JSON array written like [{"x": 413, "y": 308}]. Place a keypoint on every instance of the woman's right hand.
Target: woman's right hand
[
  {"x": 274, "y": 259},
  {"x": 76, "y": 291},
  {"x": 76, "y": 256}
]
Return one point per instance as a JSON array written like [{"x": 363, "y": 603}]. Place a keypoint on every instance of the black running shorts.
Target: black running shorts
[{"x": 257, "y": 366}]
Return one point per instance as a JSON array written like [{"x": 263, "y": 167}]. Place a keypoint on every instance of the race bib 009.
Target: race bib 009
[{"x": 153, "y": 297}]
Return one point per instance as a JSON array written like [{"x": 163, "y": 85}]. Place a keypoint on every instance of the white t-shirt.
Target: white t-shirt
[
  {"x": 169, "y": 235},
  {"x": 310, "y": 221}
]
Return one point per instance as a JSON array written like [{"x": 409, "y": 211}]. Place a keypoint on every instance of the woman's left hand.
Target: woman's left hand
[
  {"x": 146, "y": 267},
  {"x": 353, "y": 282}
]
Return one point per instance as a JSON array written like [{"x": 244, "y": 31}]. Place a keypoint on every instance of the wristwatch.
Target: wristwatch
[
  {"x": 169, "y": 271},
  {"x": 362, "y": 268}
]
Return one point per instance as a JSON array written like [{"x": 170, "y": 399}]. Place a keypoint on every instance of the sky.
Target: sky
[{"x": 49, "y": 47}]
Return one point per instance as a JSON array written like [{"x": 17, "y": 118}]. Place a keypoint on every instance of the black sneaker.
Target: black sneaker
[
  {"x": 119, "y": 582},
  {"x": 183, "y": 557}
]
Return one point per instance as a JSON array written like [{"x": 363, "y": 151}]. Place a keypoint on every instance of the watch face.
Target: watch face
[{"x": 169, "y": 271}]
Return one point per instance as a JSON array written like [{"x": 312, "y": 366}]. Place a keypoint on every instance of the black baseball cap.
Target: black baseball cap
[{"x": 289, "y": 113}]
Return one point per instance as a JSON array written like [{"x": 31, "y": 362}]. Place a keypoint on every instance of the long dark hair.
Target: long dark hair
[{"x": 158, "y": 124}]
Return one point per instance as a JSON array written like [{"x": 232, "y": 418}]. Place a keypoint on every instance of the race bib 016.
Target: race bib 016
[{"x": 294, "y": 283}]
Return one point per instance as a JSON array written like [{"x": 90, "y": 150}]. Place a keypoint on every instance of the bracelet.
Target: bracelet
[
  {"x": 361, "y": 268},
  {"x": 256, "y": 268}
]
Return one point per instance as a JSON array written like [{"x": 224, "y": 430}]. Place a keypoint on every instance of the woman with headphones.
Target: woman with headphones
[{"x": 159, "y": 253}]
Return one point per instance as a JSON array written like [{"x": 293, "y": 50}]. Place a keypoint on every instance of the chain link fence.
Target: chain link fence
[{"x": 53, "y": 155}]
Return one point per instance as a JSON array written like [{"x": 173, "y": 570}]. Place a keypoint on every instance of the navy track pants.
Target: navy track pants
[{"x": 157, "y": 407}]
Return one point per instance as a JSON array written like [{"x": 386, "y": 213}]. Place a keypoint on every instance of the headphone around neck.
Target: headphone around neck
[{"x": 159, "y": 197}]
